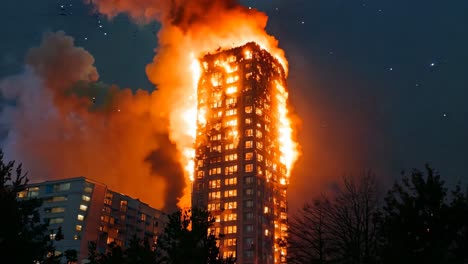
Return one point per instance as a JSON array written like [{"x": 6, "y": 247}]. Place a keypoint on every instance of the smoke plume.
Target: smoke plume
[{"x": 64, "y": 124}]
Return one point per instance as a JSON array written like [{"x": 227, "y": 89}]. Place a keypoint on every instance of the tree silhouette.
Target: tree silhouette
[
  {"x": 186, "y": 238},
  {"x": 22, "y": 235},
  {"x": 419, "y": 225},
  {"x": 338, "y": 228}
]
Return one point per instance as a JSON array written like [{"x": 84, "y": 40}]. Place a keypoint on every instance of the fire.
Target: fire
[{"x": 189, "y": 29}]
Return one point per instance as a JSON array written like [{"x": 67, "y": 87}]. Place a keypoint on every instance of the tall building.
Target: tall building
[
  {"x": 240, "y": 175},
  {"x": 88, "y": 211}
]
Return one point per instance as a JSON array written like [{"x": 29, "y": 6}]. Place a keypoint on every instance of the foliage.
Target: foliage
[
  {"x": 21, "y": 233},
  {"x": 420, "y": 225}
]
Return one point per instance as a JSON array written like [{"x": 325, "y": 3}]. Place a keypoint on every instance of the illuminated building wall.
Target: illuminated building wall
[
  {"x": 239, "y": 176},
  {"x": 88, "y": 211}
]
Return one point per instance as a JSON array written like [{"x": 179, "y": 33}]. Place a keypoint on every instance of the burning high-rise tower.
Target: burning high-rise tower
[{"x": 244, "y": 152}]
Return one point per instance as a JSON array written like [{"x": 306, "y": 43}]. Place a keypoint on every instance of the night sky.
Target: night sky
[{"x": 377, "y": 84}]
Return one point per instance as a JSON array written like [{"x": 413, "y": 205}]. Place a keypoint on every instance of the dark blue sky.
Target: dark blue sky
[{"x": 378, "y": 84}]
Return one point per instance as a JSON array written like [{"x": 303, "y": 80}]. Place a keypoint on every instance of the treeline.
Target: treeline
[{"x": 418, "y": 220}]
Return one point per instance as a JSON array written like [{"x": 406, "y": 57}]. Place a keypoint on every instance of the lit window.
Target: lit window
[
  {"x": 229, "y": 254},
  {"x": 259, "y": 157},
  {"x": 86, "y": 198},
  {"x": 258, "y": 111},
  {"x": 248, "y": 144},
  {"x": 259, "y": 145},
  {"x": 249, "y": 132},
  {"x": 230, "y": 217},
  {"x": 230, "y": 229},
  {"x": 33, "y": 192},
  {"x": 214, "y": 206},
  {"x": 78, "y": 227},
  {"x": 215, "y": 184},
  {"x": 200, "y": 174},
  {"x": 231, "y": 101},
  {"x": 230, "y": 205},
  {"x": 229, "y": 146},
  {"x": 230, "y": 157},
  {"x": 230, "y": 193},
  {"x": 267, "y": 232},
  {"x": 248, "y": 167},
  {"x": 214, "y": 195},
  {"x": 231, "y": 123},
  {"x": 249, "y": 156},
  {"x": 83, "y": 207},
  {"x": 80, "y": 217},
  {"x": 259, "y": 134},
  {"x": 230, "y": 181},
  {"x": 266, "y": 210},
  {"x": 230, "y": 170},
  {"x": 76, "y": 237},
  {"x": 232, "y": 79},
  {"x": 231, "y": 90},
  {"x": 142, "y": 217},
  {"x": 22, "y": 194},
  {"x": 231, "y": 112}
]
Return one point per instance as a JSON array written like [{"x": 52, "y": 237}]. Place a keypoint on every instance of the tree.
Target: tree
[
  {"x": 339, "y": 228},
  {"x": 309, "y": 237},
  {"x": 186, "y": 238},
  {"x": 417, "y": 221},
  {"x": 71, "y": 256},
  {"x": 22, "y": 235}
]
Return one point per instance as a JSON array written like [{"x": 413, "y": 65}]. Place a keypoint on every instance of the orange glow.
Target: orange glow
[
  {"x": 204, "y": 26},
  {"x": 288, "y": 147}
]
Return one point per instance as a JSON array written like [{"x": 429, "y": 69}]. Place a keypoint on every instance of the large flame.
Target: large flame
[{"x": 190, "y": 28}]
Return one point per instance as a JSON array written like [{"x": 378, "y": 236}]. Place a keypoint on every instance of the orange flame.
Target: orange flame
[{"x": 190, "y": 28}]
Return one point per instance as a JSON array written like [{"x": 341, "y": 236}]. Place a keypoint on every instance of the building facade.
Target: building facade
[
  {"x": 239, "y": 175},
  {"x": 87, "y": 211}
]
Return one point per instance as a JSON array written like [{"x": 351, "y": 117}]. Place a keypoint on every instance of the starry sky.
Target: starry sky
[{"x": 378, "y": 84}]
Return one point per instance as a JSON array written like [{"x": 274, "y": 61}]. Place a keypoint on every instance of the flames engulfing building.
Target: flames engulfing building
[{"x": 241, "y": 165}]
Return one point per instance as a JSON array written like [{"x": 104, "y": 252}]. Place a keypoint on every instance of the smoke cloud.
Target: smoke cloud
[{"x": 64, "y": 124}]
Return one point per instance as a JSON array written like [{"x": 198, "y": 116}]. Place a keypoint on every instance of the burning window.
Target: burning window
[
  {"x": 230, "y": 157},
  {"x": 259, "y": 157},
  {"x": 214, "y": 184},
  {"x": 231, "y": 112},
  {"x": 230, "y": 217},
  {"x": 259, "y": 145},
  {"x": 248, "y": 109},
  {"x": 229, "y": 254},
  {"x": 247, "y": 54},
  {"x": 230, "y": 170},
  {"x": 232, "y": 58},
  {"x": 215, "y": 137},
  {"x": 230, "y": 193},
  {"x": 248, "y": 121},
  {"x": 200, "y": 174},
  {"x": 214, "y": 206},
  {"x": 232, "y": 79},
  {"x": 247, "y": 88},
  {"x": 231, "y": 101},
  {"x": 230, "y": 181},
  {"x": 214, "y": 195},
  {"x": 230, "y": 205},
  {"x": 249, "y": 132},
  {"x": 216, "y": 79},
  {"x": 248, "y": 144},
  {"x": 258, "y": 111},
  {"x": 214, "y": 171},
  {"x": 248, "y": 167},
  {"x": 229, "y": 146},
  {"x": 259, "y": 134}
]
